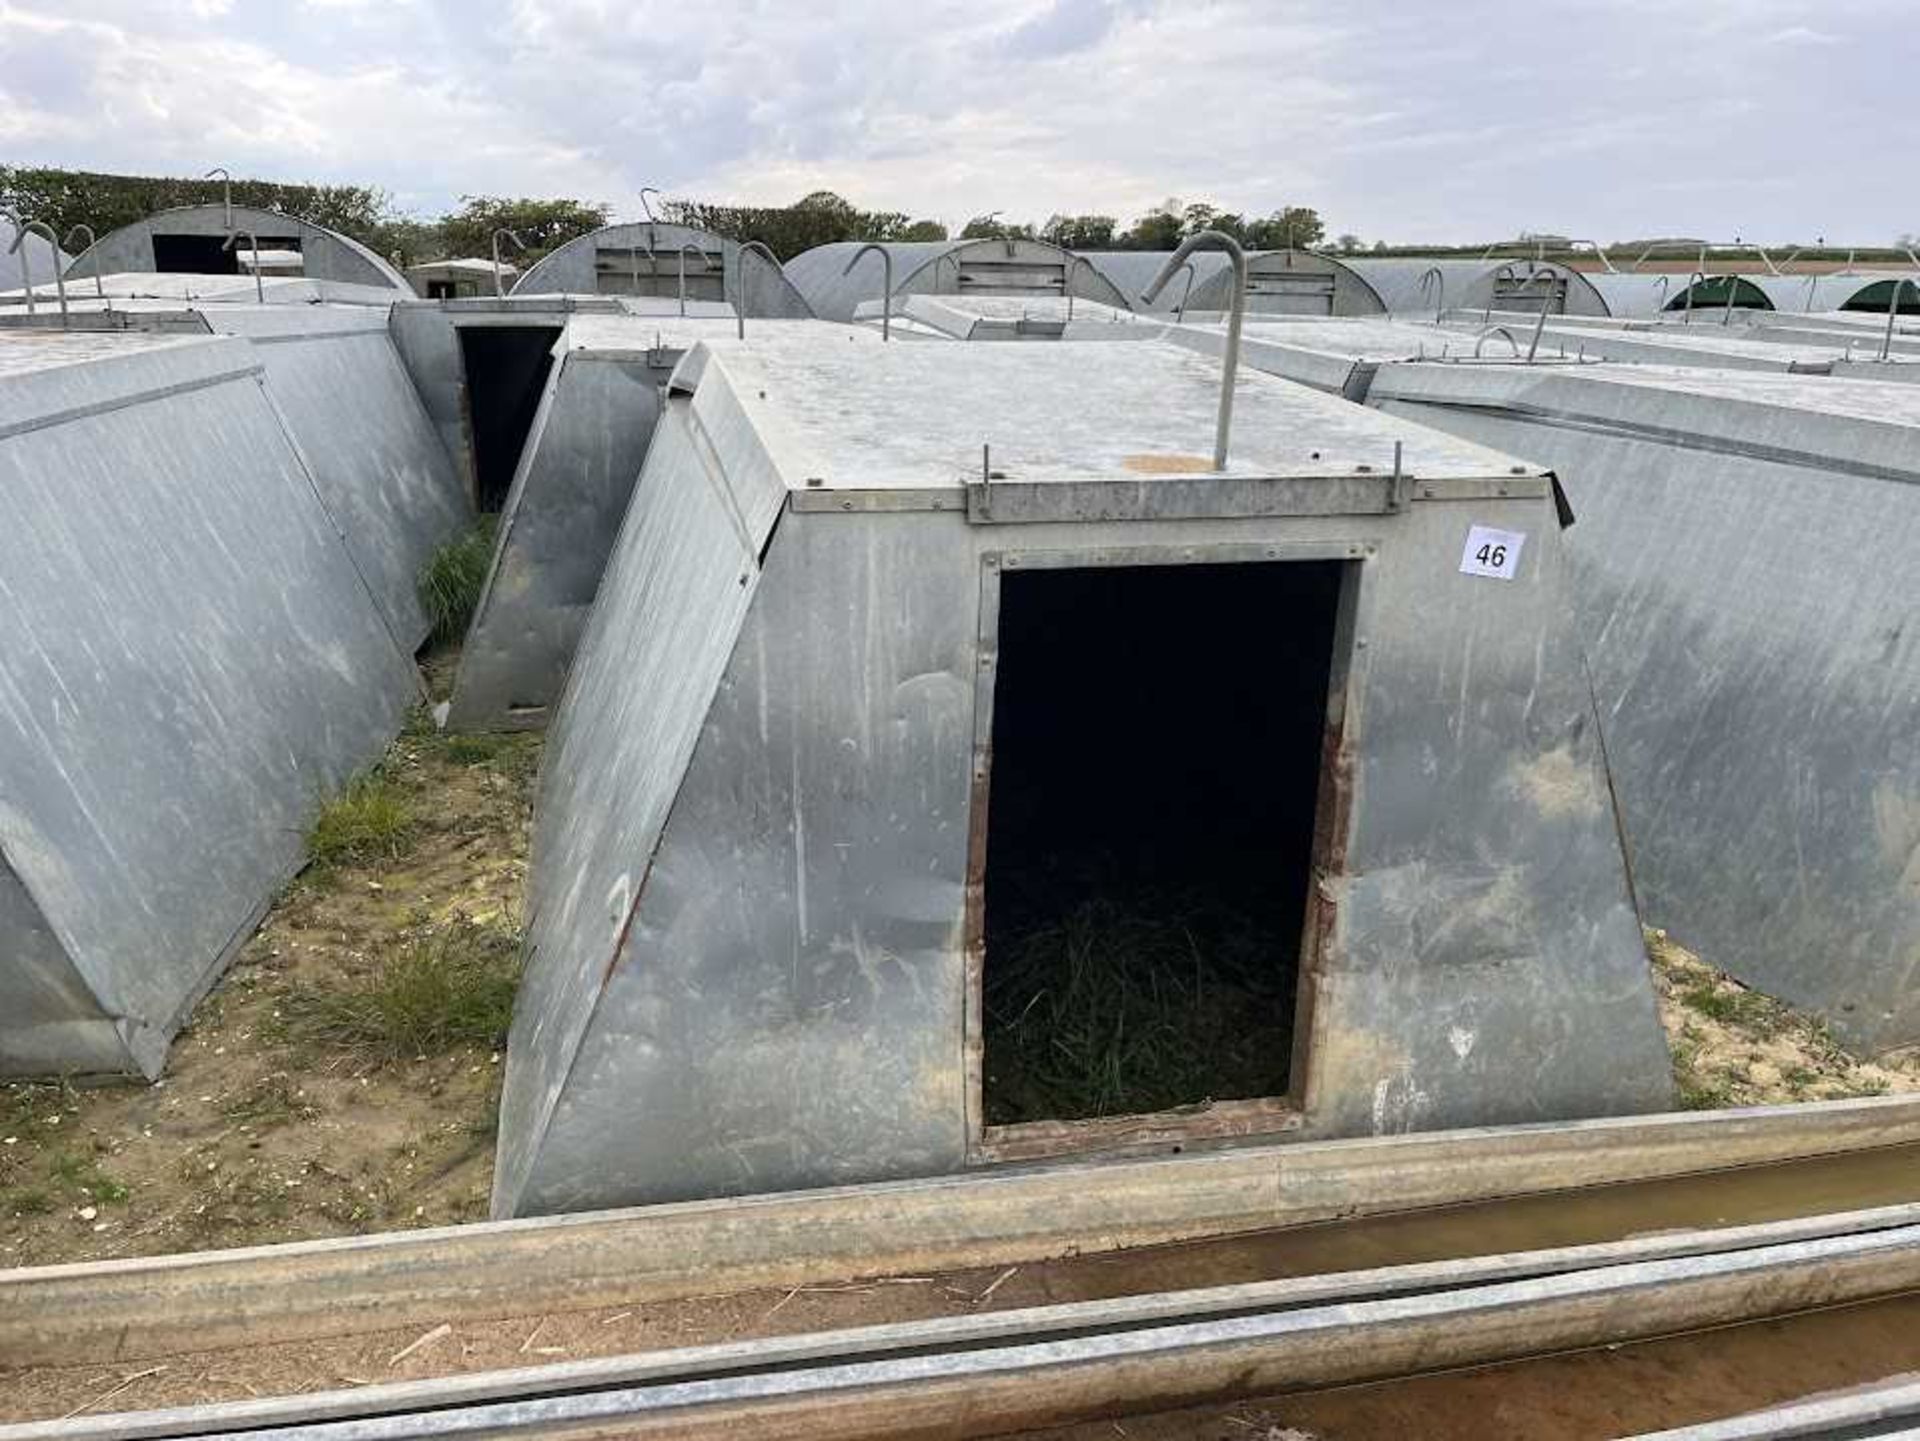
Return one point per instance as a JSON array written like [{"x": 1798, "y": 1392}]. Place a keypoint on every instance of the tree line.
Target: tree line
[{"x": 66, "y": 198}]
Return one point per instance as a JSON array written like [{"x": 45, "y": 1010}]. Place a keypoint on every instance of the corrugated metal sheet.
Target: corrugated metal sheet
[
  {"x": 1292, "y": 282},
  {"x": 578, "y": 268},
  {"x": 192, "y": 662},
  {"x": 1132, "y": 271},
  {"x": 32, "y": 263},
  {"x": 747, "y": 964},
  {"x": 1804, "y": 293},
  {"x": 944, "y": 267},
  {"x": 1746, "y": 558},
  {"x": 325, "y": 254},
  {"x": 1469, "y": 284}
]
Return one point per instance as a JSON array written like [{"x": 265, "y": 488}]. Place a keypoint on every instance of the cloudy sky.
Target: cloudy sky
[{"x": 1398, "y": 119}]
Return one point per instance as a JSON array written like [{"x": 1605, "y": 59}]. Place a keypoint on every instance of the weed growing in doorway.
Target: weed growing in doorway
[
  {"x": 451, "y": 582},
  {"x": 1136, "y": 1005}
]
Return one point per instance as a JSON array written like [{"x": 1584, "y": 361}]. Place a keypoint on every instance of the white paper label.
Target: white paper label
[{"x": 1492, "y": 553}]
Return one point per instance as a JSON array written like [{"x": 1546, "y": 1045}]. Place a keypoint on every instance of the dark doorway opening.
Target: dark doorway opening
[
  {"x": 1157, "y": 743},
  {"x": 209, "y": 254},
  {"x": 506, "y": 371}
]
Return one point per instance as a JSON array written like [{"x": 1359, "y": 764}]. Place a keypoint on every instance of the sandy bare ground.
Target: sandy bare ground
[{"x": 255, "y": 1136}]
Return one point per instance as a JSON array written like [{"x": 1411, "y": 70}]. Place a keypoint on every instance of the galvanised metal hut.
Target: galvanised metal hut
[
  {"x": 1409, "y": 285},
  {"x": 1746, "y": 564},
  {"x": 574, "y": 480},
  {"x": 193, "y": 659},
  {"x": 1025, "y": 269},
  {"x": 193, "y": 240},
  {"x": 942, "y": 702},
  {"x": 666, "y": 261}
]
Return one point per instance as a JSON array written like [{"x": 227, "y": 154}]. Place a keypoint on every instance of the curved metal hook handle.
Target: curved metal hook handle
[
  {"x": 1230, "y": 364},
  {"x": 699, "y": 255},
  {"x": 99, "y": 288},
  {"x": 253, "y": 242},
  {"x": 1601, "y": 251},
  {"x": 60, "y": 279},
  {"x": 1180, "y": 310},
  {"x": 1698, "y": 277},
  {"x": 1439, "y": 279},
  {"x": 1499, "y": 330},
  {"x": 1505, "y": 272},
  {"x": 740, "y": 295},
  {"x": 498, "y": 289},
  {"x": 886, "y": 296},
  {"x": 20, "y": 235},
  {"x": 226, "y": 192},
  {"x": 1893, "y": 309},
  {"x": 653, "y": 239}
]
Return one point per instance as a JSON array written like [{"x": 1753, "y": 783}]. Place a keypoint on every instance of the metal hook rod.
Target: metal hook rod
[
  {"x": 740, "y": 296},
  {"x": 1893, "y": 309},
  {"x": 499, "y": 289},
  {"x": 1439, "y": 279},
  {"x": 653, "y": 240},
  {"x": 1599, "y": 250},
  {"x": 259, "y": 286},
  {"x": 226, "y": 192},
  {"x": 1499, "y": 330},
  {"x": 699, "y": 255},
  {"x": 60, "y": 279},
  {"x": 1180, "y": 310},
  {"x": 19, "y": 236},
  {"x": 92, "y": 240},
  {"x": 1540, "y": 321},
  {"x": 886, "y": 296},
  {"x": 1701, "y": 277},
  {"x": 1493, "y": 291},
  {"x": 1230, "y": 366}
]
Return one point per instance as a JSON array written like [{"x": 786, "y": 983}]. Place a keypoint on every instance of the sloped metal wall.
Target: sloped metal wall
[
  {"x": 192, "y": 661},
  {"x": 1747, "y": 558}
]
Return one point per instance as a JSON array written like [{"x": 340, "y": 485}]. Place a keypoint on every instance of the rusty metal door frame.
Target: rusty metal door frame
[{"x": 1257, "y": 1116}]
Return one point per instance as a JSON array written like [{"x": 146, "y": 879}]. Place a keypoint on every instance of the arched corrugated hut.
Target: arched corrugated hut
[
  {"x": 947, "y": 267},
  {"x": 649, "y": 258}
]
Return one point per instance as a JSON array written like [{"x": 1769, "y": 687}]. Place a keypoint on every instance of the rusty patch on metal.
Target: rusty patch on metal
[
  {"x": 1166, "y": 464},
  {"x": 1332, "y": 814}
]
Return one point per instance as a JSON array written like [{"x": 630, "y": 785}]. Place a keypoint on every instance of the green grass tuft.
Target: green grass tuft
[
  {"x": 451, "y": 582},
  {"x": 450, "y": 988},
  {"x": 369, "y": 820}
]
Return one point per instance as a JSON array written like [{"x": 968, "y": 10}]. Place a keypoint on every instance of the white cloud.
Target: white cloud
[{"x": 1395, "y": 120}]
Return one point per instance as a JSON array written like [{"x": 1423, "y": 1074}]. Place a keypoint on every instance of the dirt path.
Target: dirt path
[
  {"x": 262, "y": 1131},
  {"x": 259, "y": 1132}
]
